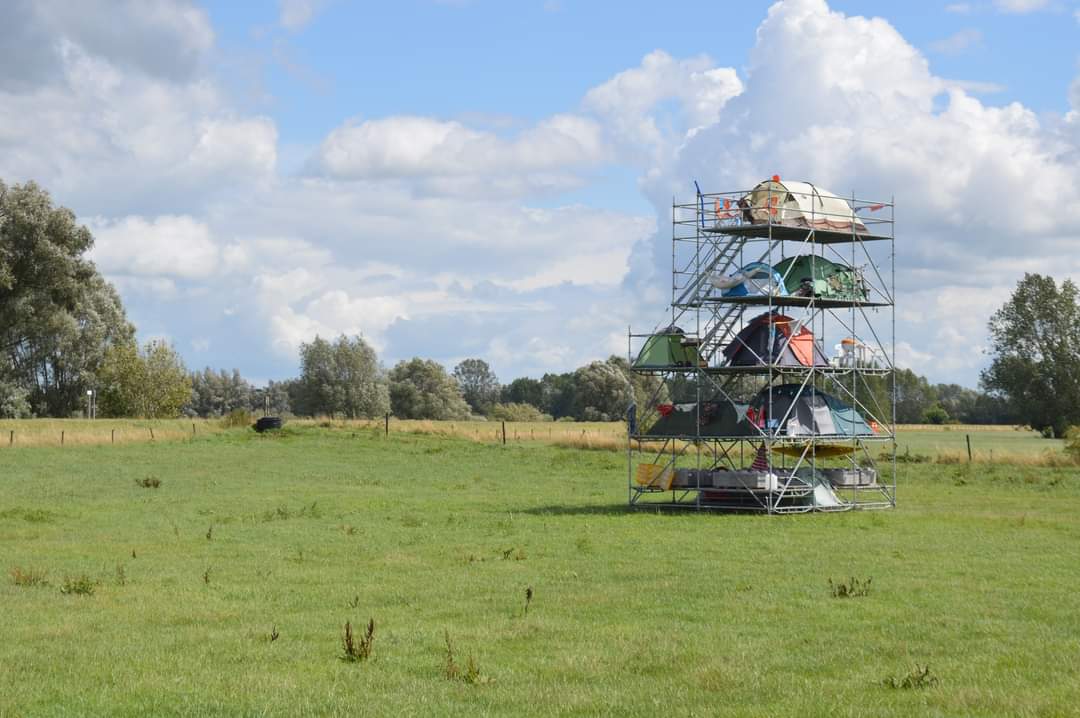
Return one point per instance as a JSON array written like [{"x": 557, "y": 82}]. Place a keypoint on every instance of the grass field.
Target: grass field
[
  {"x": 947, "y": 444},
  {"x": 124, "y": 599}
]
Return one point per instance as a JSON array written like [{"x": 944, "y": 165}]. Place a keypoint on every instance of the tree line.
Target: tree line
[
  {"x": 343, "y": 378},
  {"x": 64, "y": 332}
]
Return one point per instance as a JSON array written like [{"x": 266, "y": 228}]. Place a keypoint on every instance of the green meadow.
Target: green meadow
[{"x": 214, "y": 575}]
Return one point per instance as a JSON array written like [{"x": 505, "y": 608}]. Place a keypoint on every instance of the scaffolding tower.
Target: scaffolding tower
[{"x": 732, "y": 426}]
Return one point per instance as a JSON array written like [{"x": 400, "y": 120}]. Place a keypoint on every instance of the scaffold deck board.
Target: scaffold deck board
[
  {"x": 795, "y": 234},
  {"x": 784, "y": 301}
]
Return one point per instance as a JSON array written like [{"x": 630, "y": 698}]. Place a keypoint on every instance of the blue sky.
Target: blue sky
[{"x": 467, "y": 178}]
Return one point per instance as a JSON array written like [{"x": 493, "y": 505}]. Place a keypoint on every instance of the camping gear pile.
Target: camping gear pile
[
  {"x": 756, "y": 278},
  {"x": 851, "y": 353},
  {"x": 804, "y": 275}
]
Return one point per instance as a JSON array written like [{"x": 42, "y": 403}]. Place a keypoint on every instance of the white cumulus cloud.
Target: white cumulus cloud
[
  {"x": 630, "y": 102},
  {"x": 1021, "y": 6},
  {"x": 447, "y": 157},
  {"x": 166, "y": 246}
]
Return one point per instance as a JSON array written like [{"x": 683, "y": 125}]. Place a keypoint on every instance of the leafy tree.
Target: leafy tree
[
  {"x": 602, "y": 392},
  {"x": 279, "y": 395},
  {"x": 340, "y": 378},
  {"x": 421, "y": 389},
  {"x": 959, "y": 402},
  {"x": 149, "y": 382},
  {"x": 14, "y": 402},
  {"x": 523, "y": 391},
  {"x": 1035, "y": 344},
  {"x": 58, "y": 316},
  {"x": 363, "y": 387},
  {"x": 317, "y": 392},
  {"x": 993, "y": 410},
  {"x": 478, "y": 383},
  {"x": 218, "y": 393},
  {"x": 557, "y": 394},
  {"x": 647, "y": 389},
  {"x": 914, "y": 395}
]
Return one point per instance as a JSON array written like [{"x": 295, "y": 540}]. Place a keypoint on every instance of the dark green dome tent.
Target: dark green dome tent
[{"x": 811, "y": 275}]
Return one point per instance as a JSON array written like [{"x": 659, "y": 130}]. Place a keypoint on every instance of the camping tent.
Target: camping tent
[
  {"x": 707, "y": 418},
  {"x": 755, "y": 278},
  {"x": 800, "y": 204},
  {"x": 812, "y": 275},
  {"x": 670, "y": 348},
  {"x": 774, "y": 339},
  {"x": 814, "y": 413},
  {"x": 804, "y": 411}
]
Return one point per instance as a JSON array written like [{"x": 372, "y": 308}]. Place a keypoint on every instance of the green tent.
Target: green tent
[
  {"x": 807, "y": 274},
  {"x": 671, "y": 348},
  {"x": 709, "y": 418}
]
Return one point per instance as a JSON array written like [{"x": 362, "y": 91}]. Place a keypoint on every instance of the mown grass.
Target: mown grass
[{"x": 225, "y": 590}]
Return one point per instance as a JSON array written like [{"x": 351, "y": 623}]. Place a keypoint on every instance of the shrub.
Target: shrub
[
  {"x": 1072, "y": 443},
  {"x": 237, "y": 417},
  {"x": 518, "y": 412},
  {"x": 936, "y": 414}
]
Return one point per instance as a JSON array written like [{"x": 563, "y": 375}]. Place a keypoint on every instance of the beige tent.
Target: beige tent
[{"x": 800, "y": 204}]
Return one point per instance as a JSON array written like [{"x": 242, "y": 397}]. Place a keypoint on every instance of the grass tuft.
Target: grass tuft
[
  {"x": 28, "y": 577},
  {"x": 453, "y": 672},
  {"x": 81, "y": 585},
  {"x": 148, "y": 482},
  {"x": 917, "y": 677},
  {"x": 854, "y": 588},
  {"x": 354, "y": 650}
]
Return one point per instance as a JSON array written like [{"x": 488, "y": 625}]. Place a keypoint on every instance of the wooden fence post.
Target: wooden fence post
[
  {"x": 114, "y": 436},
  {"x": 151, "y": 433},
  {"x": 387, "y": 430},
  {"x": 504, "y": 433},
  {"x": 11, "y": 438},
  {"x": 968, "y": 437},
  {"x": 61, "y": 438}
]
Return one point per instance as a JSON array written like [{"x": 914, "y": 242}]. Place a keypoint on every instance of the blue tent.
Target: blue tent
[{"x": 753, "y": 279}]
